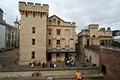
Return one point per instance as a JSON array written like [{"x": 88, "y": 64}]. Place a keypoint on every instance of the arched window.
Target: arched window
[
  {"x": 49, "y": 22},
  {"x": 58, "y": 22},
  {"x": 33, "y": 14},
  {"x": 41, "y": 14},
  {"x": 36, "y": 74},
  {"x": 26, "y": 14},
  {"x": 54, "y": 21}
]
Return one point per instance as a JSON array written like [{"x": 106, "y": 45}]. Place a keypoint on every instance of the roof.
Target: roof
[
  {"x": 56, "y": 17},
  {"x": 3, "y": 22},
  {"x": 1, "y": 10}
]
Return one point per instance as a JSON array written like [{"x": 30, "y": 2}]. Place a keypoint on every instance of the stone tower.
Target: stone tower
[
  {"x": 17, "y": 25},
  {"x": 33, "y": 32},
  {"x": 94, "y": 35}
]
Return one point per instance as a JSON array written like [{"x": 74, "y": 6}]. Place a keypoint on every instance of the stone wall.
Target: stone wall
[
  {"x": 48, "y": 72},
  {"x": 110, "y": 58},
  {"x": 92, "y": 56}
]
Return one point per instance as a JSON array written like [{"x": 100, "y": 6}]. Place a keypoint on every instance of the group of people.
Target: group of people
[
  {"x": 38, "y": 63},
  {"x": 70, "y": 61},
  {"x": 53, "y": 65}
]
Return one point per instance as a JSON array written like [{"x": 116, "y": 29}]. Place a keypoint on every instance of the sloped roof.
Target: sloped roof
[
  {"x": 1, "y": 10},
  {"x": 56, "y": 17},
  {"x": 3, "y": 22}
]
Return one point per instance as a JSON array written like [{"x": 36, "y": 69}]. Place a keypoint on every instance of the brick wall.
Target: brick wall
[{"x": 110, "y": 58}]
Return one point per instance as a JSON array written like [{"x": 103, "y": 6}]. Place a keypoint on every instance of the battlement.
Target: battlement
[
  {"x": 29, "y": 6},
  {"x": 93, "y": 26}
]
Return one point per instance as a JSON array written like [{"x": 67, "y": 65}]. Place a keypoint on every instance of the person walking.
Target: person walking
[
  {"x": 32, "y": 65},
  {"x": 78, "y": 75}
]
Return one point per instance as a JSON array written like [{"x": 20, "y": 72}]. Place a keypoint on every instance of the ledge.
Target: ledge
[{"x": 28, "y": 68}]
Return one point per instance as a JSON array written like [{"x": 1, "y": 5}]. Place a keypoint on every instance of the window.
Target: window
[
  {"x": 58, "y": 42},
  {"x": 12, "y": 36},
  {"x": 49, "y": 22},
  {"x": 41, "y": 14},
  {"x": 58, "y": 22},
  {"x": 104, "y": 69},
  {"x": 58, "y": 31},
  {"x": 33, "y": 54},
  {"x": 33, "y": 41},
  {"x": 26, "y": 14},
  {"x": 49, "y": 31},
  {"x": 49, "y": 42},
  {"x": 54, "y": 21},
  {"x": 33, "y": 14},
  {"x": 33, "y": 29},
  {"x": 58, "y": 55}
]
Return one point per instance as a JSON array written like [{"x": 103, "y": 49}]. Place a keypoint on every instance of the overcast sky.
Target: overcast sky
[{"x": 106, "y": 13}]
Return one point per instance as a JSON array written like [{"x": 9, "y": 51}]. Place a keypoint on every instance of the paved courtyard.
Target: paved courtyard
[{"x": 8, "y": 59}]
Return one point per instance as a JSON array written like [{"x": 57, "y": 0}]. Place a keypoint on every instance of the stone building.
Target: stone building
[
  {"x": 61, "y": 39},
  {"x": 44, "y": 38},
  {"x": 95, "y": 36},
  {"x": 8, "y": 34},
  {"x": 33, "y": 32},
  {"x": 89, "y": 41}
]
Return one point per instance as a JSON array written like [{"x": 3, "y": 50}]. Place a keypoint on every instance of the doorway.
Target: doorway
[
  {"x": 87, "y": 42},
  {"x": 48, "y": 56},
  {"x": 66, "y": 55}
]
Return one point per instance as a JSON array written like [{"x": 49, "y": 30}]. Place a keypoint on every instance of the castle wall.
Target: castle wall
[
  {"x": 92, "y": 56},
  {"x": 110, "y": 58}
]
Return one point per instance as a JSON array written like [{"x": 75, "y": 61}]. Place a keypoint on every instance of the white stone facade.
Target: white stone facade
[
  {"x": 9, "y": 35},
  {"x": 2, "y": 36}
]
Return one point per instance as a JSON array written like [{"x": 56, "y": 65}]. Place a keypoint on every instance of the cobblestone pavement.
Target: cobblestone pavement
[{"x": 8, "y": 58}]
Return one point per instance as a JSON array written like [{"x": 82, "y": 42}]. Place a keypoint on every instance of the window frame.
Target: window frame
[
  {"x": 33, "y": 30},
  {"x": 33, "y": 41},
  {"x": 58, "y": 31},
  {"x": 58, "y": 42},
  {"x": 49, "y": 31},
  {"x": 33, "y": 55},
  {"x": 49, "y": 42}
]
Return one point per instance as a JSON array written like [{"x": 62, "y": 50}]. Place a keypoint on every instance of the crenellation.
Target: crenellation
[
  {"x": 37, "y": 4},
  {"x": 45, "y": 5},
  {"x": 73, "y": 23},
  {"x": 29, "y": 6},
  {"x": 22, "y": 3}
]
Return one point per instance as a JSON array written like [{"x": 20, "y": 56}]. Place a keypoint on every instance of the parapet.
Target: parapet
[
  {"x": 96, "y": 26},
  {"x": 29, "y": 6},
  {"x": 93, "y": 25}
]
